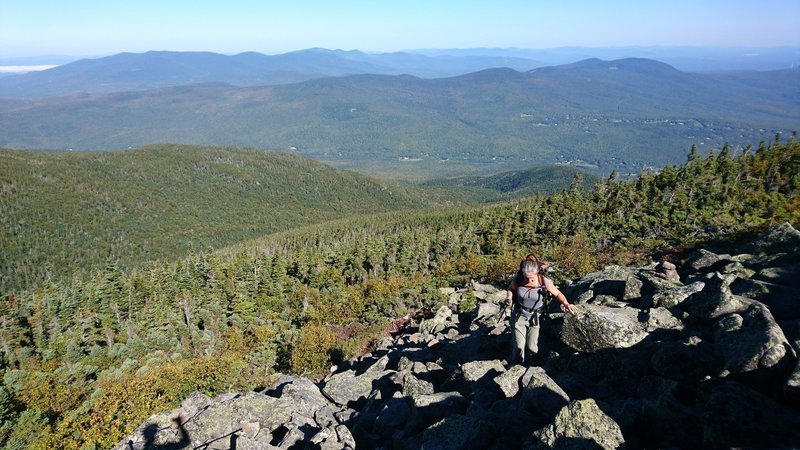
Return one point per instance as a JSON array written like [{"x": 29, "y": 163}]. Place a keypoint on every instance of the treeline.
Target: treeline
[{"x": 86, "y": 361}]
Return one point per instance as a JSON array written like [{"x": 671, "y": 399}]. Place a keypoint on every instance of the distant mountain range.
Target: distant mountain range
[
  {"x": 142, "y": 71},
  {"x": 690, "y": 59},
  {"x": 598, "y": 115}
]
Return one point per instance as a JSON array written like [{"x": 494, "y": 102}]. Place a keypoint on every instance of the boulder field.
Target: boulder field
[{"x": 699, "y": 354}]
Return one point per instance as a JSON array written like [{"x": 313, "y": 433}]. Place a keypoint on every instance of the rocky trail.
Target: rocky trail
[{"x": 698, "y": 355}]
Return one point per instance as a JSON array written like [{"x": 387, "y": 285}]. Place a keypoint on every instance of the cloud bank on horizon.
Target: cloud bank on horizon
[{"x": 98, "y": 27}]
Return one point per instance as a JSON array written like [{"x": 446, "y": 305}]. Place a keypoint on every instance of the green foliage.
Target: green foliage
[
  {"x": 87, "y": 359},
  {"x": 575, "y": 255},
  {"x": 80, "y": 210},
  {"x": 50, "y": 393},
  {"x": 30, "y": 425},
  {"x": 540, "y": 180},
  {"x": 468, "y": 303},
  {"x": 313, "y": 353},
  {"x": 501, "y": 266},
  {"x": 118, "y": 406}
]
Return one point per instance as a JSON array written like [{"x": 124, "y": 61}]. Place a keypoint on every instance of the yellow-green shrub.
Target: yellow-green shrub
[
  {"x": 117, "y": 407},
  {"x": 312, "y": 353},
  {"x": 502, "y": 267}
]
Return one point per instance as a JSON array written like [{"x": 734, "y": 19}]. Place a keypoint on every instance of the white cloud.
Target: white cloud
[{"x": 23, "y": 69}]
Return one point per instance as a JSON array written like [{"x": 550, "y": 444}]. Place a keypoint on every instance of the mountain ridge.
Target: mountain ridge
[
  {"x": 641, "y": 114},
  {"x": 686, "y": 58},
  {"x": 153, "y": 69}
]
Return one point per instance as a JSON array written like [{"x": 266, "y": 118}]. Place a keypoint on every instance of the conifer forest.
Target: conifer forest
[{"x": 87, "y": 355}]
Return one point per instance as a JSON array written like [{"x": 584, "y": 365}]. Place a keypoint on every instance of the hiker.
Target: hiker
[{"x": 526, "y": 295}]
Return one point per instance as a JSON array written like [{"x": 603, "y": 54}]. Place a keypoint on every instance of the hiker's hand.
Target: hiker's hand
[{"x": 569, "y": 308}]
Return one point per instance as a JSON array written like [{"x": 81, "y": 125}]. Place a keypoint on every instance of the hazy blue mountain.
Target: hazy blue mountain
[
  {"x": 692, "y": 59},
  {"x": 142, "y": 71},
  {"x": 595, "y": 114},
  {"x": 149, "y": 70}
]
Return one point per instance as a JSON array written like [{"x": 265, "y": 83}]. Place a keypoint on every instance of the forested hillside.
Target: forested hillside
[
  {"x": 69, "y": 212},
  {"x": 85, "y": 361},
  {"x": 519, "y": 183}
]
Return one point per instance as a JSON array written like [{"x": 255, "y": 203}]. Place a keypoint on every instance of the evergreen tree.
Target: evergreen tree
[{"x": 692, "y": 154}]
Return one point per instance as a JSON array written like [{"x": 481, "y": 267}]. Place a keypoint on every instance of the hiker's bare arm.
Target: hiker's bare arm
[{"x": 565, "y": 305}]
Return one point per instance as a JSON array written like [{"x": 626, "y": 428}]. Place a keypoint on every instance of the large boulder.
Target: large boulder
[
  {"x": 657, "y": 281},
  {"x": 476, "y": 370},
  {"x": 488, "y": 292},
  {"x": 634, "y": 289},
  {"x": 350, "y": 389},
  {"x": 609, "y": 281},
  {"x": 411, "y": 384},
  {"x": 716, "y": 299},
  {"x": 541, "y": 395},
  {"x": 437, "y": 323},
  {"x": 751, "y": 340},
  {"x": 778, "y": 239},
  {"x": 490, "y": 313},
  {"x": 469, "y": 375},
  {"x": 596, "y": 327},
  {"x": 783, "y": 300},
  {"x": 303, "y": 393},
  {"x": 660, "y": 319},
  {"x": 581, "y": 424},
  {"x": 509, "y": 381},
  {"x": 702, "y": 260},
  {"x": 248, "y": 420},
  {"x": 455, "y": 432},
  {"x": 674, "y": 296}
]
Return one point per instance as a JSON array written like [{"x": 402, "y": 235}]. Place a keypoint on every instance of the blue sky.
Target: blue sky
[{"x": 101, "y": 27}]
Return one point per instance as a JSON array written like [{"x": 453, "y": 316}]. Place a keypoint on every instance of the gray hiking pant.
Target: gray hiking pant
[{"x": 526, "y": 335}]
